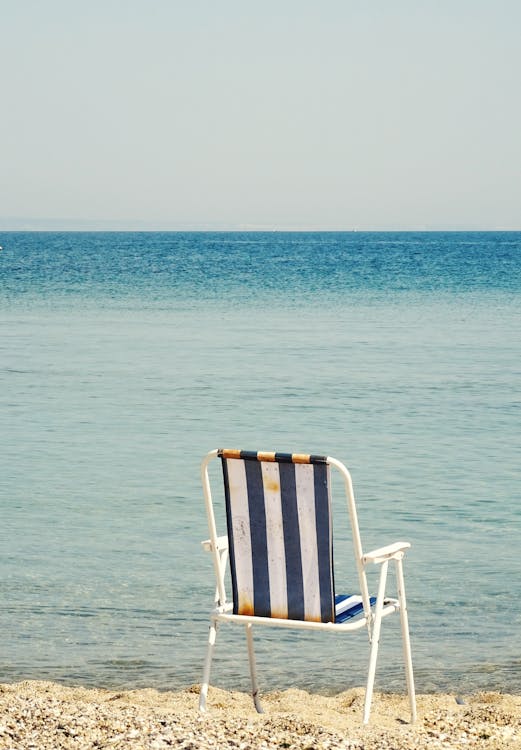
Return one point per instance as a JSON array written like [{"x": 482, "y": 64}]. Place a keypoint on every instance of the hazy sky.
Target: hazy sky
[{"x": 288, "y": 113}]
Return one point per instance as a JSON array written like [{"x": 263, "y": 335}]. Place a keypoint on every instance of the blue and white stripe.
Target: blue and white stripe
[{"x": 280, "y": 532}]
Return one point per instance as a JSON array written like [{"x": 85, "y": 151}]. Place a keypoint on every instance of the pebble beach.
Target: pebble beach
[{"x": 45, "y": 715}]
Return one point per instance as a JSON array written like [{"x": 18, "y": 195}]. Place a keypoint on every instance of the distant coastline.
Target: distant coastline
[{"x": 34, "y": 224}]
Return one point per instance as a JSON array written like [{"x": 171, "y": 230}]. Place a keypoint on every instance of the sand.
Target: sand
[{"x": 44, "y": 715}]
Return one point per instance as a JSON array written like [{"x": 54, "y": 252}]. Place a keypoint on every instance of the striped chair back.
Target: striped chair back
[{"x": 278, "y": 508}]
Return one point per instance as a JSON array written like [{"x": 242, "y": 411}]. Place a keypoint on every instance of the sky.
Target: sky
[{"x": 280, "y": 114}]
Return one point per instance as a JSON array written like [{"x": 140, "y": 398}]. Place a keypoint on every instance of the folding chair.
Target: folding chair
[{"x": 279, "y": 544}]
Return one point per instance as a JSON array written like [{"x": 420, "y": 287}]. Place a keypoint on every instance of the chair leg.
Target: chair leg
[
  {"x": 212, "y": 635},
  {"x": 406, "y": 640},
  {"x": 375, "y": 640},
  {"x": 253, "y": 669}
]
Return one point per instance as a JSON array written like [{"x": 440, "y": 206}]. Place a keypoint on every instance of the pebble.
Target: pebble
[{"x": 48, "y": 717}]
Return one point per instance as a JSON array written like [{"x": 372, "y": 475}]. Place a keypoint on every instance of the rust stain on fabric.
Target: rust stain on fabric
[
  {"x": 313, "y": 618},
  {"x": 245, "y": 605},
  {"x": 271, "y": 484},
  {"x": 279, "y": 614}
]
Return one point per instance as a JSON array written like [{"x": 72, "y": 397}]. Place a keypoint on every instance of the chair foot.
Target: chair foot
[
  {"x": 212, "y": 635},
  {"x": 202, "y": 703},
  {"x": 406, "y": 642},
  {"x": 257, "y": 703},
  {"x": 375, "y": 639},
  {"x": 253, "y": 670}
]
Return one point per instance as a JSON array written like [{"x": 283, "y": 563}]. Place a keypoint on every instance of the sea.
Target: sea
[{"x": 126, "y": 356}]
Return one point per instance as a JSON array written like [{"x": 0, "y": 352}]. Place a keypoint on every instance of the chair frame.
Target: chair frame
[{"x": 371, "y": 620}]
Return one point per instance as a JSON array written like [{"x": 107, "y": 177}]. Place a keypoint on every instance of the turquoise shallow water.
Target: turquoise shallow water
[{"x": 125, "y": 357}]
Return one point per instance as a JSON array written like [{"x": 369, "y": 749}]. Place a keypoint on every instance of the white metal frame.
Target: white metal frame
[{"x": 223, "y": 610}]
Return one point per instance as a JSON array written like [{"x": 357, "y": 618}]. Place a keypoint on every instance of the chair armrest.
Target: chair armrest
[
  {"x": 391, "y": 551},
  {"x": 222, "y": 544}
]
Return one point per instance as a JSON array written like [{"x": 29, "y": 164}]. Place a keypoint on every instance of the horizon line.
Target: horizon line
[{"x": 29, "y": 224}]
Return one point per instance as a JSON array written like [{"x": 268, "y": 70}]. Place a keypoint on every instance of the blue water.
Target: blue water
[{"x": 124, "y": 357}]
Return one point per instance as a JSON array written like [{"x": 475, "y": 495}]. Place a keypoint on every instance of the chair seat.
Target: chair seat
[{"x": 349, "y": 605}]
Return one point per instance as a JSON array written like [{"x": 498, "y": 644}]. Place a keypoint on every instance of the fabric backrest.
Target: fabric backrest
[{"x": 278, "y": 509}]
